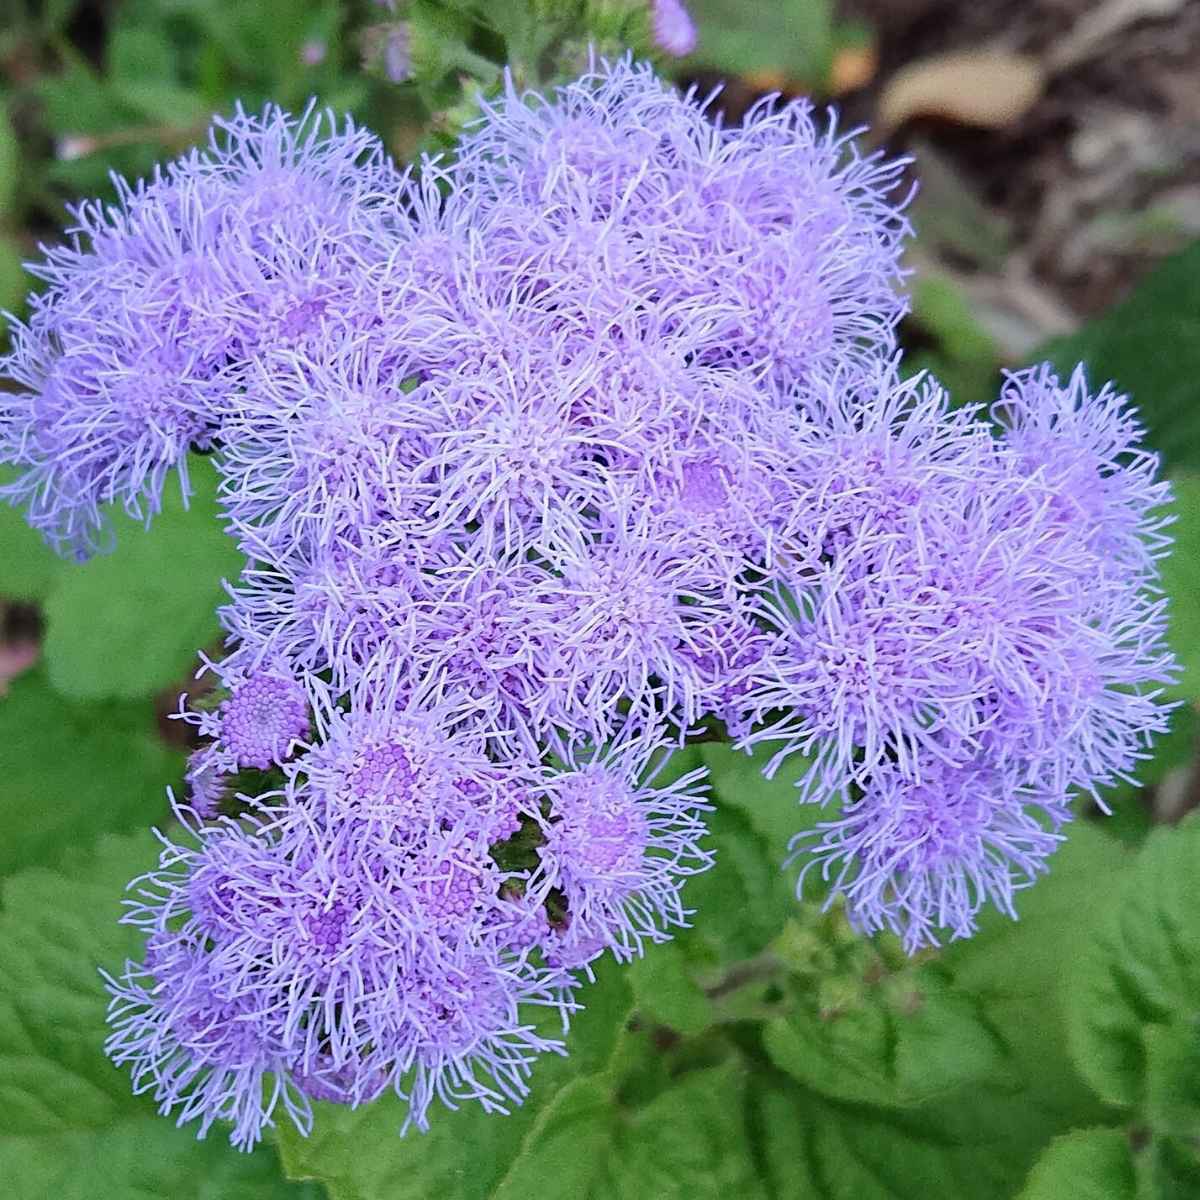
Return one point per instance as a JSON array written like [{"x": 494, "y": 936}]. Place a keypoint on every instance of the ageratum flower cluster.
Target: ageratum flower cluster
[{"x": 542, "y": 461}]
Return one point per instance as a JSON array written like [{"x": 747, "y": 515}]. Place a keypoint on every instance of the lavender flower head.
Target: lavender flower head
[
  {"x": 155, "y": 304},
  {"x": 541, "y": 462}
]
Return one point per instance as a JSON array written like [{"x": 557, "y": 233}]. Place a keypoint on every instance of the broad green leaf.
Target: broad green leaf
[
  {"x": 69, "y": 772},
  {"x": 1017, "y": 968},
  {"x": 466, "y": 1155},
  {"x": 1150, "y": 346},
  {"x": 1086, "y": 1164},
  {"x": 1181, "y": 583},
  {"x": 770, "y": 806},
  {"x": 976, "y": 1145},
  {"x": 665, "y": 991},
  {"x": 71, "y": 1126},
  {"x": 787, "y": 42},
  {"x": 28, "y": 567},
  {"x": 689, "y": 1143},
  {"x": 1139, "y": 972},
  {"x": 128, "y": 623},
  {"x": 900, "y": 1042}
]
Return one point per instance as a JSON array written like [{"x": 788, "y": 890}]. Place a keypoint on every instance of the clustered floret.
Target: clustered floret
[{"x": 542, "y": 462}]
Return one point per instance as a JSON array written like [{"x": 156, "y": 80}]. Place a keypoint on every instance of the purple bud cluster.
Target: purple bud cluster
[{"x": 542, "y": 461}]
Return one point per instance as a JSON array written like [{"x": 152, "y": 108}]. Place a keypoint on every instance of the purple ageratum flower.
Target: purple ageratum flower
[
  {"x": 627, "y": 617},
  {"x": 330, "y": 610},
  {"x": 322, "y": 449},
  {"x": 1090, "y": 451},
  {"x": 868, "y": 662},
  {"x": 712, "y": 220},
  {"x": 358, "y": 937},
  {"x": 933, "y": 605},
  {"x": 263, "y": 719},
  {"x": 395, "y": 760},
  {"x": 260, "y": 724},
  {"x": 921, "y": 857},
  {"x": 154, "y": 303},
  {"x": 202, "y": 1053},
  {"x": 673, "y": 28},
  {"x": 618, "y": 849},
  {"x": 108, "y": 402}
]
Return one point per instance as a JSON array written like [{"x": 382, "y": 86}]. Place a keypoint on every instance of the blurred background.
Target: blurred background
[{"x": 1056, "y": 149}]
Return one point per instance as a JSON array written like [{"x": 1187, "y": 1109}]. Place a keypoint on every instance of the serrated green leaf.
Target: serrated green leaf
[
  {"x": 128, "y": 623},
  {"x": 976, "y": 1145},
  {"x": 1181, "y": 583},
  {"x": 71, "y": 1127},
  {"x": 1150, "y": 346},
  {"x": 1017, "y": 968},
  {"x": 28, "y": 567},
  {"x": 69, "y": 772},
  {"x": 1086, "y": 1164},
  {"x": 1140, "y": 971},
  {"x": 900, "y": 1045},
  {"x": 359, "y": 1155},
  {"x": 689, "y": 1143}
]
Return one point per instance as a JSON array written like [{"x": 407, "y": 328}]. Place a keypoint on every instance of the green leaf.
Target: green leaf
[
  {"x": 72, "y": 1127},
  {"x": 129, "y": 623},
  {"x": 466, "y": 1155},
  {"x": 161, "y": 102},
  {"x": 975, "y": 1145},
  {"x": 1140, "y": 971},
  {"x": 69, "y": 772},
  {"x": 790, "y": 41},
  {"x": 666, "y": 992},
  {"x": 1086, "y": 1164},
  {"x": 689, "y": 1143},
  {"x": 1150, "y": 346},
  {"x": 14, "y": 282},
  {"x": 900, "y": 1042},
  {"x": 10, "y": 164},
  {"x": 140, "y": 53},
  {"x": 1181, "y": 583},
  {"x": 28, "y": 567},
  {"x": 770, "y": 806},
  {"x": 741, "y": 904},
  {"x": 1173, "y": 1077},
  {"x": 1017, "y": 968},
  {"x": 1169, "y": 1169}
]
